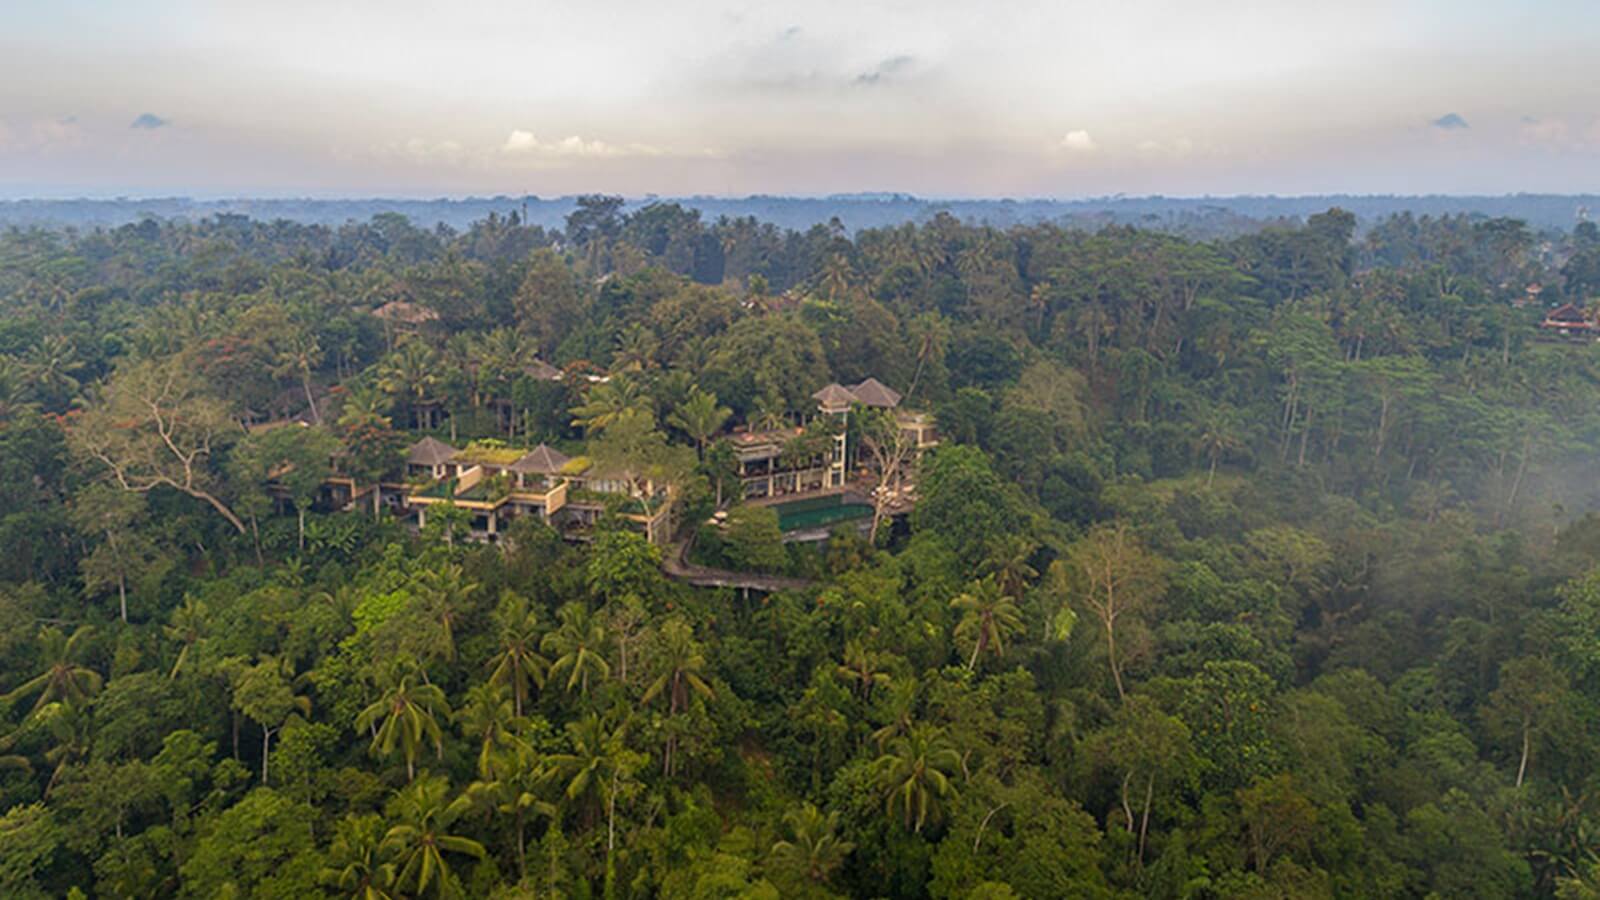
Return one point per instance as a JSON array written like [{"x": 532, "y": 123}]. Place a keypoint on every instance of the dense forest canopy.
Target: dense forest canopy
[
  {"x": 1222, "y": 216},
  {"x": 1258, "y": 566}
]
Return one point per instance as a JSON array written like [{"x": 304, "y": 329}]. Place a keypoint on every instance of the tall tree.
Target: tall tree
[
  {"x": 154, "y": 425},
  {"x": 1119, "y": 579}
]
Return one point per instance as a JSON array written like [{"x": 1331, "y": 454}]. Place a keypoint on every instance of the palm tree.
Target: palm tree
[
  {"x": 769, "y": 413},
  {"x": 422, "y": 838},
  {"x": 813, "y": 850},
  {"x": 681, "y": 664},
  {"x": 636, "y": 349},
  {"x": 517, "y": 664},
  {"x": 863, "y": 666},
  {"x": 187, "y": 626},
  {"x": 445, "y": 590},
  {"x": 1219, "y": 435},
  {"x": 596, "y": 767},
  {"x": 71, "y": 729},
  {"x": 700, "y": 417},
  {"x": 577, "y": 646},
  {"x": 988, "y": 618},
  {"x": 515, "y": 789},
  {"x": 409, "y": 711},
  {"x": 52, "y": 366},
  {"x": 487, "y": 717},
  {"x": 356, "y": 863},
  {"x": 1008, "y": 563},
  {"x": 915, "y": 775},
  {"x": 608, "y": 401},
  {"x": 410, "y": 374},
  {"x": 65, "y": 679}
]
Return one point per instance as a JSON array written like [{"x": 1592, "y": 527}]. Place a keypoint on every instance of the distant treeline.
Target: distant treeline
[{"x": 1201, "y": 217}]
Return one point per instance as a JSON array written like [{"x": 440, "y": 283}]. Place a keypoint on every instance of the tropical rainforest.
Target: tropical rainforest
[{"x": 1257, "y": 566}]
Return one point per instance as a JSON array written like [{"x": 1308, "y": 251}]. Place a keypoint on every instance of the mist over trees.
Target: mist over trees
[{"x": 1252, "y": 561}]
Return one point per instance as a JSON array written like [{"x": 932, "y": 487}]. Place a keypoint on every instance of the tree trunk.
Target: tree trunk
[
  {"x": 300, "y": 516},
  {"x": 1111, "y": 652},
  {"x": 122, "y": 595},
  {"x": 1144, "y": 819},
  {"x": 266, "y": 738},
  {"x": 1527, "y": 736}
]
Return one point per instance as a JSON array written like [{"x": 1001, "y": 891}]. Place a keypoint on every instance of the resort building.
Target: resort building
[
  {"x": 499, "y": 485},
  {"x": 496, "y": 484}
]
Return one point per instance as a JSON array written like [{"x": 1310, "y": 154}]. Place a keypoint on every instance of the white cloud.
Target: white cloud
[
  {"x": 1078, "y": 141},
  {"x": 521, "y": 142},
  {"x": 1177, "y": 148}
]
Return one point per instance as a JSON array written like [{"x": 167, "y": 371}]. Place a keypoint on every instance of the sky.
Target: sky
[{"x": 977, "y": 98}]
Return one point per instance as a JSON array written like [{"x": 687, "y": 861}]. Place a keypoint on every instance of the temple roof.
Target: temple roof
[
  {"x": 541, "y": 460},
  {"x": 873, "y": 392},
  {"x": 430, "y": 451}
]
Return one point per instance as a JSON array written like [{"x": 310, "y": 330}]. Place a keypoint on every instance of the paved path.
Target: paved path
[{"x": 676, "y": 564}]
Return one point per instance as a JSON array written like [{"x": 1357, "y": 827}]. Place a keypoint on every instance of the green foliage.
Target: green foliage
[{"x": 1255, "y": 566}]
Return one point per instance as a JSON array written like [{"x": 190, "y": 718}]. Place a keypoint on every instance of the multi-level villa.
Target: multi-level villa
[
  {"x": 498, "y": 485},
  {"x": 781, "y": 462}
]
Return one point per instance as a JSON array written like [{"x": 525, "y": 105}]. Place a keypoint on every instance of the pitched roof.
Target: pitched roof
[
  {"x": 541, "y": 460},
  {"x": 834, "y": 395},
  {"x": 542, "y": 370},
  {"x": 1567, "y": 312},
  {"x": 430, "y": 451},
  {"x": 405, "y": 312},
  {"x": 873, "y": 392}
]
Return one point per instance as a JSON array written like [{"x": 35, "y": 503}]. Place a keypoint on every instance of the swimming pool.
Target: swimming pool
[{"x": 819, "y": 512}]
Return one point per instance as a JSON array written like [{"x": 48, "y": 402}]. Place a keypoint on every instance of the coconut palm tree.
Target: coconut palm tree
[
  {"x": 577, "y": 647},
  {"x": 187, "y": 626},
  {"x": 405, "y": 716},
  {"x": 699, "y": 417},
  {"x": 608, "y": 401},
  {"x": 410, "y": 374},
  {"x": 356, "y": 865},
  {"x": 636, "y": 349},
  {"x": 680, "y": 663},
  {"x": 1219, "y": 435},
  {"x": 514, "y": 786},
  {"x": 813, "y": 850},
  {"x": 517, "y": 663},
  {"x": 487, "y": 717},
  {"x": 445, "y": 593},
  {"x": 1008, "y": 563},
  {"x": 769, "y": 412},
  {"x": 597, "y": 768},
  {"x": 66, "y": 678},
  {"x": 422, "y": 839},
  {"x": 988, "y": 618},
  {"x": 916, "y": 776}
]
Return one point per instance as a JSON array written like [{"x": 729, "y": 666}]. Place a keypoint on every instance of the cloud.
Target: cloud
[
  {"x": 149, "y": 122},
  {"x": 526, "y": 143},
  {"x": 886, "y": 70},
  {"x": 1078, "y": 141},
  {"x": 1543, "y": 131},
  {"x": 1178, "y": 148},
  {"x": 1450, "y": 122}
]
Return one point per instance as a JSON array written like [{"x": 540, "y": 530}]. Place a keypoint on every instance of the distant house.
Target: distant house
[
  {"x": 1569, "y": 320},
  {"x": 405, "y": 313}
]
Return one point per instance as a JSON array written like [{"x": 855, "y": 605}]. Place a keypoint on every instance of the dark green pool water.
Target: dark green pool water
[{"x": 819, "y": 512}]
